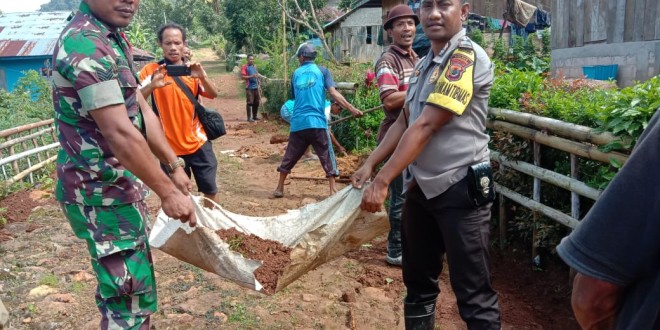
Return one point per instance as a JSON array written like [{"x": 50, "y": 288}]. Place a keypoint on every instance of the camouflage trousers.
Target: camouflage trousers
[{"x": 121, "y": 258}]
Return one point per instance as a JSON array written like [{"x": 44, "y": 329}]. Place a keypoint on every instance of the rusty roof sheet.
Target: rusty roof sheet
[{"x": 30, "y": 34}]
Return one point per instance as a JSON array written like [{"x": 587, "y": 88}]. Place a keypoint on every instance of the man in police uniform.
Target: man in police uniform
[
  {"x": 438, "y": 140},
  {"x": 105, "y": 159}
]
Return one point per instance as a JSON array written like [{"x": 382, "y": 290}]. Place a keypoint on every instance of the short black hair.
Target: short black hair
[
  {"x": 249, "y": 55},
  {"x": 164, "y": 27}
]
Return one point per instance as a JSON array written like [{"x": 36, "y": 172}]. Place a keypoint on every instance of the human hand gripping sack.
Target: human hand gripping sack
[
  {"x": 178, "y": 206},
  {"x": 362, "y": 175},
  {"x": 374, "y": 196}
]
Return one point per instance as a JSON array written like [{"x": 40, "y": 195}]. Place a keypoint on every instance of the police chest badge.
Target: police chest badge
[{"x": 434, "y": 75}]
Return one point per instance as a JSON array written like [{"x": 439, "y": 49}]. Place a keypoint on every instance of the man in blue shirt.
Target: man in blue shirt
[
  {"x": 309, "y": 125},
  {"x": 252, "y": 89}
]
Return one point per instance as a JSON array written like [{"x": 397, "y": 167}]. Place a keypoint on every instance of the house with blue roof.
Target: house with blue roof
[{"x": 27, "y": 41}]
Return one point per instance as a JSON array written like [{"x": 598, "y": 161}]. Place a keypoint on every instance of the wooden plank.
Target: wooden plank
[
  {"x": 579, "y": 23},
  {"x": 20, "y": 129},
  {"x": 629, "y": 23},
  {"x": 611, "y": 17},
  {"x": 587, "y": 35},
  {"x": 560, "y": 25},
  {"x": 556, "y": 26},
  {"x": 581, "y": 149},
  {"x": 598, "y": 24},
  {"x": 650, "y": 17},
  {"x": 554, "y": 126},
  {"x": 657, "y": 25},
  {"x": 638, "y": 31},
  {"x": 616, "y": 15},
  {"x": 535, "y": 206},
  {"x": 572, "y": 23},
  {"x": 553, "y": 178}
]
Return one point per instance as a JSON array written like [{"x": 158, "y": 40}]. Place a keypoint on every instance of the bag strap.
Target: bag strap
[{"x": 187, "y": 91}]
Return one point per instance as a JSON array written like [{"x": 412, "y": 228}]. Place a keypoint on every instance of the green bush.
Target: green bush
[
  {"x": 360, "y": 134},
  {"x": 30, "y": 101}
]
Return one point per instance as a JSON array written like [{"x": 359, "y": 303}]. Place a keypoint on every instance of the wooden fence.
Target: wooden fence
[
  {"x": 27, "y": 149},
  {"x": 578, "y": 141}
]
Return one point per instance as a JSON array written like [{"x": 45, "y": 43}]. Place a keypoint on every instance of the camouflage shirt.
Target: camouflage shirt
[{"x": 93, "y": 69}]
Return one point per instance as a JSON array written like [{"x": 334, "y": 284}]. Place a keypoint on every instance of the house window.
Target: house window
[{"x": 368, "y": 35}]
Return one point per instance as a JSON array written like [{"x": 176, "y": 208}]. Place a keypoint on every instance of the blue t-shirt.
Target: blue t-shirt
[
  {"x": 308, "y": 86},
  {"x": 619, "y": 239},
  {"x": 252, "y": 82}
]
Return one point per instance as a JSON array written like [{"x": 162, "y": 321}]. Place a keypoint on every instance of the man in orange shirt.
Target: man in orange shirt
[{"x": 183, "y": 130}]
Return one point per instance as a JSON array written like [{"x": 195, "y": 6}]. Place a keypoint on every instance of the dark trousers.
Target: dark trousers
[
  {"x": 253, "y": 99},
  {"x": 450, "y": 224},
  {"x": 394, "y": 213}
]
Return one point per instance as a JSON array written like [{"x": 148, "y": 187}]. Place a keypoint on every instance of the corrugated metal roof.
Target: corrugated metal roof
[{"x": 30, "y": 34}]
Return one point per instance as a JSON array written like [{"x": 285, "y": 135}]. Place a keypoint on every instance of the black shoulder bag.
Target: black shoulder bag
[{"x": 212, "y": 121}]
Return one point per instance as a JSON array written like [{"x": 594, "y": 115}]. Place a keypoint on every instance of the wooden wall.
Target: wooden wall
[{"x": 576, "y": 23}]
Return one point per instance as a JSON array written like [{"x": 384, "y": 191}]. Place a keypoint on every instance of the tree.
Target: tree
[
  {"x": 303, "y": 12},
  {"x": 248, "y": 21},
  {"x": 346, "y": 4},
  {"x": 55, "y": 5}
]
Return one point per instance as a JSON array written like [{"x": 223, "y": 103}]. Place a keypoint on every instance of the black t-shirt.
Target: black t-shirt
[{"x": 619, "y": 239}]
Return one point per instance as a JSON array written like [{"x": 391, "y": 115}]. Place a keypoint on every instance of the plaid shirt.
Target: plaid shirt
[{"x": 393, "y": 70}]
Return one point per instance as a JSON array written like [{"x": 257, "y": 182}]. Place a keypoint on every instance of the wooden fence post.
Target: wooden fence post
[
  {"x": 503, "y": 219},
  {"x": 536, "y": 196}
]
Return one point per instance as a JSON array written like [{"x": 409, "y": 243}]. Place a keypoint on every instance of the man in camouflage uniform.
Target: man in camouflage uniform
[{"x": 104, "y": 160}]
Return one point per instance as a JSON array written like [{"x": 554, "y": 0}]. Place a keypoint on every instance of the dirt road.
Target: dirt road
[{"x": 46, "y": 281}]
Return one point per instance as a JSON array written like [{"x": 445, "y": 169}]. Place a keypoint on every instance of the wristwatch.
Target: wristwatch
[{"x": 173, "y": 165}]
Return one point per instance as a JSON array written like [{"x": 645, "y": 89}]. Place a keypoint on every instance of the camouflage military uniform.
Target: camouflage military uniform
[{"x": 102, "y": 200}]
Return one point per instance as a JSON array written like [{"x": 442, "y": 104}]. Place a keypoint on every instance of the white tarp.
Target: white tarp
[{"x": 317, "y": 233}]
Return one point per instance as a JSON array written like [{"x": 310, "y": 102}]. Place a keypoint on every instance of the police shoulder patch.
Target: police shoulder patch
[{"x": 453, "y": 90}]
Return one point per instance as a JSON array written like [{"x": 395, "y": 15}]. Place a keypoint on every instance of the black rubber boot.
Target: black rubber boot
[
  {"x": 419, "y": 316},
  {"x": 248, "y": 109}
]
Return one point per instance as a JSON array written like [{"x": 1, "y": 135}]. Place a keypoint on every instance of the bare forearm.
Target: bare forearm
[
  {"x": 335, "y": 142},
  {"x": 209, "y": 87},
  {"x": 341, "y": 100},
  {"x": 394, "y": 101},
  {"x": 146, "y": 90},
  {"x": 387, "y": 146},
  {"x": 594, "y": 302},
  {"x": 133, "y": 153},
  {"x": 411, "y": 145}
]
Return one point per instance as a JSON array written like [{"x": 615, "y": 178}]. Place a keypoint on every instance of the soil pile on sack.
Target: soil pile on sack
[{"x": 275, "y": 256}]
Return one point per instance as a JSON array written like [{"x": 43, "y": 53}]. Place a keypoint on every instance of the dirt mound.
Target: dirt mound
[
  {"x": 279, "y": 138},
  {"x": 253, "y": 151},
  {"x": 275, "y": 256},
  {"x": 17, "y": 206}
]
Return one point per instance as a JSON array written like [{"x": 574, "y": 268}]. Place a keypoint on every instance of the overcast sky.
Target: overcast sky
[{"x": 10, "y": 6}]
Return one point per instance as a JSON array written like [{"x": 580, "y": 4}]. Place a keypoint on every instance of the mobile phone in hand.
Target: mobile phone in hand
[{"x": 177, "y": 70}]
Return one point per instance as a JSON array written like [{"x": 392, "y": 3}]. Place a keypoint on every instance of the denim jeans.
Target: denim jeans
[{"x": 396, "y": 205}]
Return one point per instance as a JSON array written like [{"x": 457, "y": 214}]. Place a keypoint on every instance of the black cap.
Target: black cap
[{"x": 306, "y": 50}]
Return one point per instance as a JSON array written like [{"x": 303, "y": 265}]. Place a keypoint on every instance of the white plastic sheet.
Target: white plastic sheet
[{"x": 317, "y": 233}]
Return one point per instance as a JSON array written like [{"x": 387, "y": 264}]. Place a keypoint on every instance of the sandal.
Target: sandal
[{"x": 278, "y": 194}]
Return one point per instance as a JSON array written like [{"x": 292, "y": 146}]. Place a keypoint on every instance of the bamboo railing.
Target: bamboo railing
[
  {"x": 578, "y": 141},
  {"x": 27, "y": 149}
]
